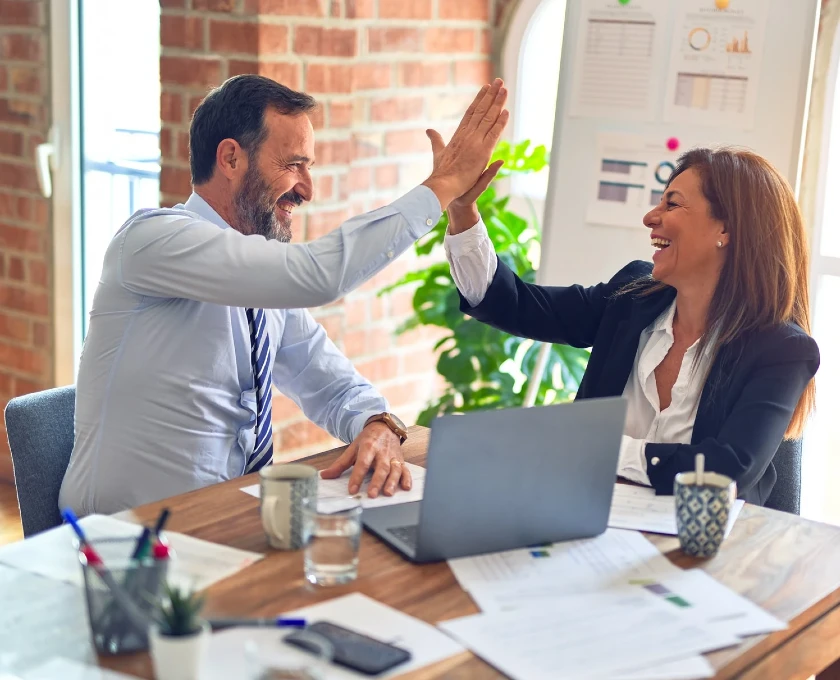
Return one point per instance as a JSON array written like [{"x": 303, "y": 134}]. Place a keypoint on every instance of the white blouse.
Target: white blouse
[{"x": 472, "y": 260}]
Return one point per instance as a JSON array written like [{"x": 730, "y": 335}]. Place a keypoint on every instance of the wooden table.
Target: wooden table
[{"x": 788, "y": 565}]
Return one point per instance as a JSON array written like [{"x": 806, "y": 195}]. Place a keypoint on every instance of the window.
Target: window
[
  {"x": 531, "y": 66},
  {"x": 821, "y": 464},
  {"x": 106, "y": 123},
  {"x": 120, "y": 147}
]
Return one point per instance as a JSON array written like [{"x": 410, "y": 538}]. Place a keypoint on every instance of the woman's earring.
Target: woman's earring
[{"x": 720, "y": 244}]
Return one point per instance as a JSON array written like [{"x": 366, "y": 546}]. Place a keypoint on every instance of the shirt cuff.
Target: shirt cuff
[
  {"x": 632, "y": 463},
  {"x": 421, "y": 209},
  {"x": 467, "y": 241},
  {"x": 358, "y": 423}
]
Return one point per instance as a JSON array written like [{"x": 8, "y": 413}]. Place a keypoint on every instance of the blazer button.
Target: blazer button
[{"x": 654, "y": 460}]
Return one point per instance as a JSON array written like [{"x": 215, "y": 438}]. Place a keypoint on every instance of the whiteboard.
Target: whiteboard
[{"x": 575, "y": 250}]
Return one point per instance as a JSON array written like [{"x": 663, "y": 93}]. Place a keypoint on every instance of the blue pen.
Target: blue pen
[
  {"x": 277, "y": 622},
  {"x": 70, "y": 517}
]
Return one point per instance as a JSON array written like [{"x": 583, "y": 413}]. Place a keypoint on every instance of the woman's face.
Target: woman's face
[{"x": 685, "y": 235}]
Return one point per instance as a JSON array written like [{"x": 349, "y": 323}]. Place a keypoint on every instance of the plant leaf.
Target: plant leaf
[{"x": 483, "y": 367}]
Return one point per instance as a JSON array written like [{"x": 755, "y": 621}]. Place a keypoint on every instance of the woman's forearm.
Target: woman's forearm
[{"x": 462, "y": 218}]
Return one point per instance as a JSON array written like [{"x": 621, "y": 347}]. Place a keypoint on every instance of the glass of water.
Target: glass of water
[{"x": 332, "y": 533}]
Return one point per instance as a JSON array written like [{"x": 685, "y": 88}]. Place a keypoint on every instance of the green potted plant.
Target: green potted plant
[
  {"x": 483, "y": 367},
  {"x": 180, "y": 637}
]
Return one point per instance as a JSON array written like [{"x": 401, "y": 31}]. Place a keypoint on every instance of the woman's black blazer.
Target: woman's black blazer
[{"x": 747, "y": 401}]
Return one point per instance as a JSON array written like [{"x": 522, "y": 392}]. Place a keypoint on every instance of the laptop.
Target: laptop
[{"x": 510, "y": 478}]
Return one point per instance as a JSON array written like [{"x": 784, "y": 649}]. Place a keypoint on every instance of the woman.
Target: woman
[{"x": 710, "y": 344}]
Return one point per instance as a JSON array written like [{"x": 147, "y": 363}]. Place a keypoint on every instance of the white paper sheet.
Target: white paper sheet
[
  {"x": 714, "y": 603},
  {"x": 72, "y": 670},
  {"x": 618, "y": 49},
  {"x": 545, "y": 577},
  {"x": 596, "y": 635},
  {"x": 715, "y": 63},
  {"x": 234, "y": 649},
  {"x": 691, "y": 668},
  {"x": 197, "y": 563},
  {"x": 40, "y": 615},
  {"x": 639, "y": 508},
  {"x": 504, "y": 580},
  {"x": 330, "y": 489},
  {"x": 631, "y": 174}
]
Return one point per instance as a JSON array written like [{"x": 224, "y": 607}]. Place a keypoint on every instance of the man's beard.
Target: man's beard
[{"x": 255, "y": 207}]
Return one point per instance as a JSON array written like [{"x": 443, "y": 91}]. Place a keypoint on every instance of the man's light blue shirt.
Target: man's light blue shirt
[{"x": 166, "y": 400}]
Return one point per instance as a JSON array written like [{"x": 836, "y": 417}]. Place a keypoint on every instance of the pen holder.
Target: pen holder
[{"x": 119, "y": 622}]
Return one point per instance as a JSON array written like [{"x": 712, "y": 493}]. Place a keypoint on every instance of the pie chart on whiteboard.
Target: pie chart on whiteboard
[{"x": 699, "y": 39}]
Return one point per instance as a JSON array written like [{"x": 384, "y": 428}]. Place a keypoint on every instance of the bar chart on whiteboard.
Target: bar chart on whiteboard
[
  {"x": 630, "y": 178},
  {"x": 715, "y": 63}
]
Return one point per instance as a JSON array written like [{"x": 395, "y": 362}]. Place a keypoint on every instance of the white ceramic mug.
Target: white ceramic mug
[{"x": 282, "y": 491}]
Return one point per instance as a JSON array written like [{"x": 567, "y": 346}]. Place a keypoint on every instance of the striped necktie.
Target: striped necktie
[{"x": 260, "y": 360}]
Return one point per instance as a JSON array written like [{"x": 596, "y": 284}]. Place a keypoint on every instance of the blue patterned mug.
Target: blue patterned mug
[
  {"x": 703, "y": 511},
  {"x": 283, "y": 489}
]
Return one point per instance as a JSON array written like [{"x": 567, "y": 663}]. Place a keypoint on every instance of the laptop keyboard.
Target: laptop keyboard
[{"x": 407, "y": 534}]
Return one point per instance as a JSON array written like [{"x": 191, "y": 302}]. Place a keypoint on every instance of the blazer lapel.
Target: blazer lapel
[
  {"x": 710, "y": 408},
  {"x": 642, "y": 311}
]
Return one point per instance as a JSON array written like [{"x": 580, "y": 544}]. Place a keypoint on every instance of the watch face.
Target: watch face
[{"x": 399, "y": 422}]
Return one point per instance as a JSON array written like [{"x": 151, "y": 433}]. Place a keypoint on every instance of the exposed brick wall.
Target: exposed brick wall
[
  {"x": 25, "y": 269},
  {"x": 384, "y": 71}
]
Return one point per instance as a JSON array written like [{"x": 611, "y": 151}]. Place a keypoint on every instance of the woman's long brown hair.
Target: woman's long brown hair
[{"x": 765, "y": 277}]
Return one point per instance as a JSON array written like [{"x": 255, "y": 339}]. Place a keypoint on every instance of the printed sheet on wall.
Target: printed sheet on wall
[
  {"x": 618, "y": 53},
  {"x": 631, "y": 174},
  {"x": 715, "y": 63}
]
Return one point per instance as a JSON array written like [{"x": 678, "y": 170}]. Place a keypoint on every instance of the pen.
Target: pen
[
  {"x": 160, "y": 551},
  {"x": 277, "y": 622},
  {"x": 70, "y": 517},
  {"x": 164, "y": 515},
  {"x": 140, "y": 548}
]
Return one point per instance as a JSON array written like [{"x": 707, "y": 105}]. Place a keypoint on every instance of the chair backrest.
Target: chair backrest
[
  {"x": 786, "y": 493},
  {"x": 40, "y": 429}
]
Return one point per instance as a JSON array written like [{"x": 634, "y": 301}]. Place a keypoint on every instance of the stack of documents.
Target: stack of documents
[
  {"x": 600, "y": 635},
  {"x": 553, "y": 611},
  {"x": 503, "y": 580},
  {"x": 639, "y": 508},
  {"x": 196, "y": 564}
]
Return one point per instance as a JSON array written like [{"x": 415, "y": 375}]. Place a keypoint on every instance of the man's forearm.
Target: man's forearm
[{"x": 181, "y": 255}]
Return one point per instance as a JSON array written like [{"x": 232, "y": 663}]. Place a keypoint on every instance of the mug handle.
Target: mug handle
[{"x": 268, "y": 516}]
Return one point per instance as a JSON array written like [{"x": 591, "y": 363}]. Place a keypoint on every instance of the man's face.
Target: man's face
[{"x": 277, "y": 179}]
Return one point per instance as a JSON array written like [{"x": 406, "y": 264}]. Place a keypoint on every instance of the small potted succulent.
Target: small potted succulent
[{"x": 179, "y": 638}]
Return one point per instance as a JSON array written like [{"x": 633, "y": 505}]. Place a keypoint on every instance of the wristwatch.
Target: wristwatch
[{"x": 397, "y": 426}]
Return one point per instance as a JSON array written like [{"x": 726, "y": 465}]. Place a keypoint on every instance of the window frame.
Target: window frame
[
  {"x": 825, "y": 265},
  {"x": 66, "y": 183},
  {"x": 512, "y": 46}
]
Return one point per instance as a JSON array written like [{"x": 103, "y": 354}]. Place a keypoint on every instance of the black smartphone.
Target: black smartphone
[{"x": 353, "y": 650}]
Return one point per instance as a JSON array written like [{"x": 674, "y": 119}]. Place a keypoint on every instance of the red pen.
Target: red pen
[
  {"x": 160, "y": 551},
  {"x": 92, "y": 557}
]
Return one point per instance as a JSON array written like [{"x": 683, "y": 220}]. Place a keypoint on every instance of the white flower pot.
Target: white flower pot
[{"x": 178, "y": 657}]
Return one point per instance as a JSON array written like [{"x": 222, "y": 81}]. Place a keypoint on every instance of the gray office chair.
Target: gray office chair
[
  {"x": 40, "y": 429},
  {"x": 787, "y": 491}
]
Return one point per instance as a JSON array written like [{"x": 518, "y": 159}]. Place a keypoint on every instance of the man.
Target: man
[{"x": 200, "y": 308}]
